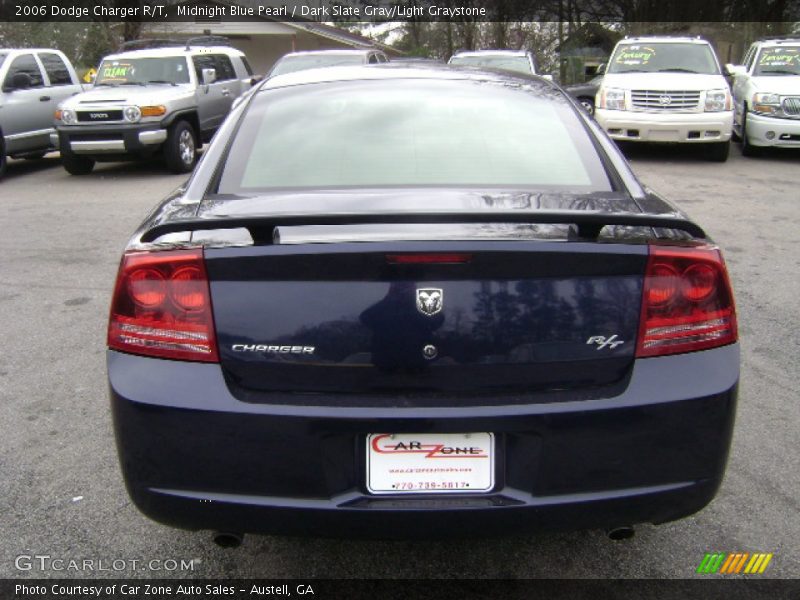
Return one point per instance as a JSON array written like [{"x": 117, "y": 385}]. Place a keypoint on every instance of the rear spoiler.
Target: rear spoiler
[{"x": 588, "y": 223}]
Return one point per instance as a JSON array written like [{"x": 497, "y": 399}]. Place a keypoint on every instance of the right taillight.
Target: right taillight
[
  {"x": 162, "y": 306},
  {"x": 687, "y": 303}
]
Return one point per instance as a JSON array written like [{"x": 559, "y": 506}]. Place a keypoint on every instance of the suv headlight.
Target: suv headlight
[
  {"x": 612, "y": 98},
  {"x": 718, "y": 100},
  {"x": 132, "y": 114},
  {"x": 766, "y": 104},
  {"x": 68, "y": 116}
]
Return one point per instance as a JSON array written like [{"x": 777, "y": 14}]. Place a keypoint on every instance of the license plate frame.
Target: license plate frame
[{"x": 430, "y": 463}]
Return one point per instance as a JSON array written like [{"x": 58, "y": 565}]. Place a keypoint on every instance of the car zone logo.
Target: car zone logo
[{"x": 384, "y": 444}]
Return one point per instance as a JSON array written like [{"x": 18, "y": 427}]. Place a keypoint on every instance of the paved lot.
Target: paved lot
[{"x": 62, "y": 493}]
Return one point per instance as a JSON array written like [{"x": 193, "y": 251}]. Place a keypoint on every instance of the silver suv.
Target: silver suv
[
  {"x": 518, "y": 61},
  {"x": 34, "y": 81},
  {"x": 315, "y": 59},
  {"x": 165, "y": 99}
]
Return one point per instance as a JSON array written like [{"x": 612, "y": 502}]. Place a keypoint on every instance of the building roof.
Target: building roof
[{"x": 297, "y": 23}]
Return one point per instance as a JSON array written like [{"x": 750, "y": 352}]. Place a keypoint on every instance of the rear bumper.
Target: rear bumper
[
  {"x": 195, "y": 457},
  {"x": 785, "y": 133},
  {"x": 692, "y": 128}
]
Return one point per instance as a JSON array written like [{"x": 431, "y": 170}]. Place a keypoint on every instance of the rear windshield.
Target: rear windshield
[
  {"x": 290, "y": 64},
  {"x": 781, "y": 60},
  {"x": 412, "y": 133},
  {"x": 664, "y": 57},
  {"x": 518, "y": 64},
  {"x": 127, "y": 71}
]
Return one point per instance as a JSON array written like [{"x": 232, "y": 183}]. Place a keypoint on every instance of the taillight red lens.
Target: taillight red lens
[
  {"x": 162, "y": 306},
  {"x": 687, "y": 304},
  {"x": 700, "y": 281},
  {"x": 147, "y": 287},
  {"x": 189, "y": 288},
  {"x": 662, "y": 284}
]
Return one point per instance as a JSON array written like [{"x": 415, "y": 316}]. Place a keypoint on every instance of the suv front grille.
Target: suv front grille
[
  {"x": 791, "y": 106},
  {"x": 99, "y": 116},
  {"x": 664, "y": 100}
]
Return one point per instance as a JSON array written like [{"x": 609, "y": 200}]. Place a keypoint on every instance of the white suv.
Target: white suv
[
  {"x": 766, "y": 95},
  {"x": 666, "y": 89}
]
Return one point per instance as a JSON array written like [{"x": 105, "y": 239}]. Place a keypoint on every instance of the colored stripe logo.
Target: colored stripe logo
[{"x": 735, "y": 563}]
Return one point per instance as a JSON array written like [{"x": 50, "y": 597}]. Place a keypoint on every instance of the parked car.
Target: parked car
[
  {"x": 360, "y": 317},
  {"x": 517, "y": 61},
  {"x": 585, "y": 92},
  {"x": 666, "y": 89},
  {"x": 34, "y": 80},
  {"x": 766, "y": 96},
  {"x": 167, "y": 99},
  {"x": 315, "y": 59}
]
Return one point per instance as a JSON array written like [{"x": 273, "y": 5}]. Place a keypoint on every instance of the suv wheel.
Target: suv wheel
[
  {"x": 180, "y": 150},
  {"x": 77, "y": 165},
  {"x": 747, "y": 148},
  {"x": 719, "y": 151}
]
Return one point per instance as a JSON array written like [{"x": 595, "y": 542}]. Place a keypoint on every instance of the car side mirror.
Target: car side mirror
[
  {"x": 21, "y": 81},
  {"x": 735, "y": 69},
  {"x": 209, "y": 76},
  {"x": 601, "y": 70}
]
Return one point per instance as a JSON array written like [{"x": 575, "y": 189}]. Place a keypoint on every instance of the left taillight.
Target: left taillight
[
  {"x": 162, "y": 306},
  {"x": 687, "y": 304}
]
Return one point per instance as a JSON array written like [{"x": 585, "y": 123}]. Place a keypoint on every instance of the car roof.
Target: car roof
[
  {"x": 175, "y": 51},
  {"x": 398, "y": 71},
  {"x": 779, "y": 42},
  {"x": 488, "y": 52},
  {"x": 337, "y": 52},
  {"x": 3, "y": 50},
  {"x": 683, "y": 39}
]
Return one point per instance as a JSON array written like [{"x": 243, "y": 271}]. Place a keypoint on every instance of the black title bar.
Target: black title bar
[{"x": 460, "y": 11}]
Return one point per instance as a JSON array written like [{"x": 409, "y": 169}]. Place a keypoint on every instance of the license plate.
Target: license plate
[{"x": 430, "y": 463}]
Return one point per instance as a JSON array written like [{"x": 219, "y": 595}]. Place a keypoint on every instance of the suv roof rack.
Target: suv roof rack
[
  {"x": 208, "y": 40},
  {"x": 149, "y": 43},
  {"x": 680, "y": 36},
  {"x": 779, "y": 38},
  {"x": 203, "y": 40}
]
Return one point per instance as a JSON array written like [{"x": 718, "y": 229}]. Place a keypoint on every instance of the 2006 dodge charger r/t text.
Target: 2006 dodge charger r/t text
[{"x": 399, "y": 302}]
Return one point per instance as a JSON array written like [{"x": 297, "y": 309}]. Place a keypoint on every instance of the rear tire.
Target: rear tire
[
  {"x": 719, "y": 151},
  {"x": 77, "y": 165},
  {"x": 180, "y": 149},
  {"x": 747, "y": 148}
]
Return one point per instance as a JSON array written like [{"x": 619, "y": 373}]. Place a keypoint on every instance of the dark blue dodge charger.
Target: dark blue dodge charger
[{"x": 401, "y": 302}]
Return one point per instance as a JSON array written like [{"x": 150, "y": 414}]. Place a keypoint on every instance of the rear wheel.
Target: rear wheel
[
  {"x": 180, "y": 149},
  {"x": 719, "y": 151},
  {"x": 587, "y": 104},
  {"x": 747, "y": 148},
  {"x": 77, "y": 165}
]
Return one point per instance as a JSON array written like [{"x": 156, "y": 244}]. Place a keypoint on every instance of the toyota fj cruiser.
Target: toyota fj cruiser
[{"x": 168, "y": 99}]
